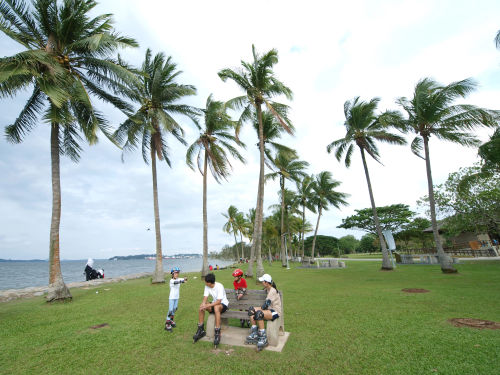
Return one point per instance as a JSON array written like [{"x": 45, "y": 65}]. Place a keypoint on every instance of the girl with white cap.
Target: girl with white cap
[{"x": 270, "y": 310}]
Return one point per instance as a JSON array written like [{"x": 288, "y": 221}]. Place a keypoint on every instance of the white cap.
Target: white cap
[
  {"x": 266, "y": 277},
  {"x": 90, "y": 262}
]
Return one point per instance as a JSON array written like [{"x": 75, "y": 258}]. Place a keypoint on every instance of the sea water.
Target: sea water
[{"x": 18, "y": 275}]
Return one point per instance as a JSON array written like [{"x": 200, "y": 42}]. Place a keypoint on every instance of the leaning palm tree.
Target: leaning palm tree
[
  {"x": 212, "y": 146},
  {"x": 363, "y": 129},
  {"x": 230, "y": 225},
  {"x": 431, "y": 113},
  {"x": 67, "y": 59},
  {"x": 157, "y": 93},
  {"x": 257, "y": 79},
  {"x": 304, "y": 198},
  {"x": 324, "y": 187},
  {"x": 287, "y": 167}
]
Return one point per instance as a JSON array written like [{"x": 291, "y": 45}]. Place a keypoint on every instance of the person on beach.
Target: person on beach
[
  {"x": 218, "y": 306},
  {"x": 91, "y": 273},
  {"x": 240, "y": 288},
  {"x": 270, "y": 310},
  {"x": 173, "y": 298}
]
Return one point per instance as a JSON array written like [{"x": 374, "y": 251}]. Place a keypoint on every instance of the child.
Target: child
[
  {"x": 218, "y": 306},
  {"x": 240, "y": 288},
  {"x": 270, "y": 310},
  {"x": 173, "y": 299}
]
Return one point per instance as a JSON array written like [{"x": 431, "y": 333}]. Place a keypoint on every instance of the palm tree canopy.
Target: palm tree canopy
[
  {"x": 288, "y": 166},
  {"x": 431, "y": 112},
  {"x": 305, "y": 193},
  {"x": 258, "y": 81},
  {"x": 230, "y": 225},
  {"x": 363, "y": 128},
  {"x": 215, "y": 139},
  {"x": 324, "y": 186},
  {"x": 272, "y": 130},
  {"x": 67, "y": 60},
  {"x": 157, "y": 93}
]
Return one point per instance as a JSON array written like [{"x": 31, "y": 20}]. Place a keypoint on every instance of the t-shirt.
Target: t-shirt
[
  {"x": 217, "y": 292},
  {"x": 175, "y": 286},
  {"x": 273, "y": 295},
  {"x": 241, "y": 284}
]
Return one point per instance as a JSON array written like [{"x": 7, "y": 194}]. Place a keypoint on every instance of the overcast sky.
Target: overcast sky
[{"x": 327, "y": 54}]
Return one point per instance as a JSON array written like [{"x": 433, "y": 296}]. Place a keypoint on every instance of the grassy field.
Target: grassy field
[
  {"x": 342, "y": 321},
  {"x": 363, "y": 256}
]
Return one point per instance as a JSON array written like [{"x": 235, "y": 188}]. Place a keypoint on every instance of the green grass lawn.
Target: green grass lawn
[
  {"x": 363, "y": 256},
  {"x": 342, "y": 321}
]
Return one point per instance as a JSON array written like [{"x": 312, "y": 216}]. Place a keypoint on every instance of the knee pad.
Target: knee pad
[
  {"x": 259, "y": 315},
  {"x": 251, "y": 311}
]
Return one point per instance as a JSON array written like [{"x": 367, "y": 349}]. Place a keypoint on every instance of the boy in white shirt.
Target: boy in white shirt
[
  {"x": 173, "y": 298},
  {"x": 218, "y": 306}
]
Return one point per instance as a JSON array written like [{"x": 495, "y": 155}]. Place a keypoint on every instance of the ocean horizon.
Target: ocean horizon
[{"x": 22, "y": 274}]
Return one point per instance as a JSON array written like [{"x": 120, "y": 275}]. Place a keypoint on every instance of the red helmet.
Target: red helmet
[{"x": 237, "y": 272}]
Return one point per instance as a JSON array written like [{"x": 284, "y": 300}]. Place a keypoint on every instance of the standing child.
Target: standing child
[
  {"x": 240, "y": 288},
  {"x": 173, "y": 299}
]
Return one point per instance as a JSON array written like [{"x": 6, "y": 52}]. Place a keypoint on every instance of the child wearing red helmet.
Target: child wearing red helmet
[{"x": 240, "y": 288}]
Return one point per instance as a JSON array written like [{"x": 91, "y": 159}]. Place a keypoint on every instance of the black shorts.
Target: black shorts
[{"x": 224, "y": 309}]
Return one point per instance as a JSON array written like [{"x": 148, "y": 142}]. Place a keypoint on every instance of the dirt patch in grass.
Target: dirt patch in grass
[
  {"x": 100, "y": 326},
  {"x": 474, "y": 323},
  {"x": 415, "y": 290}
]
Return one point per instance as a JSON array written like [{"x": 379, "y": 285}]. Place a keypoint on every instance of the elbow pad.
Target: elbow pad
[{"x": 266, "y": 304}]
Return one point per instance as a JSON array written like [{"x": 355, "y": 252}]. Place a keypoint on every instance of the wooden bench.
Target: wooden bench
[{"x": 239, "y": 310}]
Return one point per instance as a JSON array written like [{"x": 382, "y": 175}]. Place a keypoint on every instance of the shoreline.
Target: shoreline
[{"x": 36, "y": 291}]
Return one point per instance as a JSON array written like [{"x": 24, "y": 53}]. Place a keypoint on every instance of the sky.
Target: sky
[{"x": 329, "y": 52}]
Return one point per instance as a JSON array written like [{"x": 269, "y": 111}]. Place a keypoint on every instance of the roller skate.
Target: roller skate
[
  {"x": 262, "y": 341},
  {"x": 253, "y": 337},
  {"x": 216, "y": 337},
  {"x": 199, "y": 333}
]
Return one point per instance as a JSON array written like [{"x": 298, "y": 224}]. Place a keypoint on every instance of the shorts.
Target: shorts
[
  {"x": 274, "y": 314},
  {"x": 224, "y": 309}
]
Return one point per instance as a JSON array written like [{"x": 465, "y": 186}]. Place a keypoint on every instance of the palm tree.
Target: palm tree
[
  {"x": 157, "y": 93},
  {"x": 324, "y": 186},
  {"x": 242, "y": 225},
  {"x": 288, "y": 167},
  {"x": 230, "y": 225},
  {"x": 497, "y": 40},
  {"x": 67, "y": 59},
  {"x": 363, "y": 129},
  {"x": 257, "y": 80},
  {"x": 431, "y": 113},
  {"x": 215, "y": 143},
  {"x": 304, "y": 197}
]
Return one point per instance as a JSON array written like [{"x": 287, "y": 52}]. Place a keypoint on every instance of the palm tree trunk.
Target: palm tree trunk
[
  {"x": 204, "y": 268},
  {"x": 158, "y": 275},
  {"x": 57, "y": 288},
  {"x": 315, "y": 233},
  {"x": 241, "y": 243},
  {"x": 386, "y": 262},
  {"x": 444, "y": 259},
  {"x": 303, "y": 227},
  {"x": 283, "y": 232},
  {"x": 257, "y": 232}
]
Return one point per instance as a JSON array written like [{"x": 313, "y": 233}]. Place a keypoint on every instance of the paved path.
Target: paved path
[{"x": 11, "y": 294}]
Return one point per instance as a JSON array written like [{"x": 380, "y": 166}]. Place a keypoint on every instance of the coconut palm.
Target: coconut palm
[
  {"x": 242, "y": 225},
  {"x": 157, "y": 93},
  {"x": 215, "y": 142},
  {"x": 431, "y": 113},
  {"x": 230, "y": 225},
  {"x": 287, "y": 167},
  {"x": 324, "y": 187},
  {"x": 257, "y": 80},
  {"x": 66, "y": 60},
  {"x": 363, "y": 129},
  {"x": 304, "y": 197}
]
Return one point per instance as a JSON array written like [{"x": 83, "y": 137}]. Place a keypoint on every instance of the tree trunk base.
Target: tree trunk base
[
  {"x": 58, "y": 291},
  {"x": 386, "y": 269},
  {"x": 449, "y": 270},
  {"x": 158, "y": 278}
]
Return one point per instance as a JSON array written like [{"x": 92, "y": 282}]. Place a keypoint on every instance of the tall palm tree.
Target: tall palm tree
[
  {"x": 157, "y": 93},
  {"x": 230, "y": 225},
  {"x": 363, "y": 129},
  {"x": 431, "y": 113},
  {"x": 257, "y": 80},
  {"x": 324, "y": 187},
  {"x": 242, "y": 225},
  {"x": 305, "y": 199},
  {"x": 288, "y": 167},
  {"x": 215, "y": 142},
  {"x": 67, "y": 59}
]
